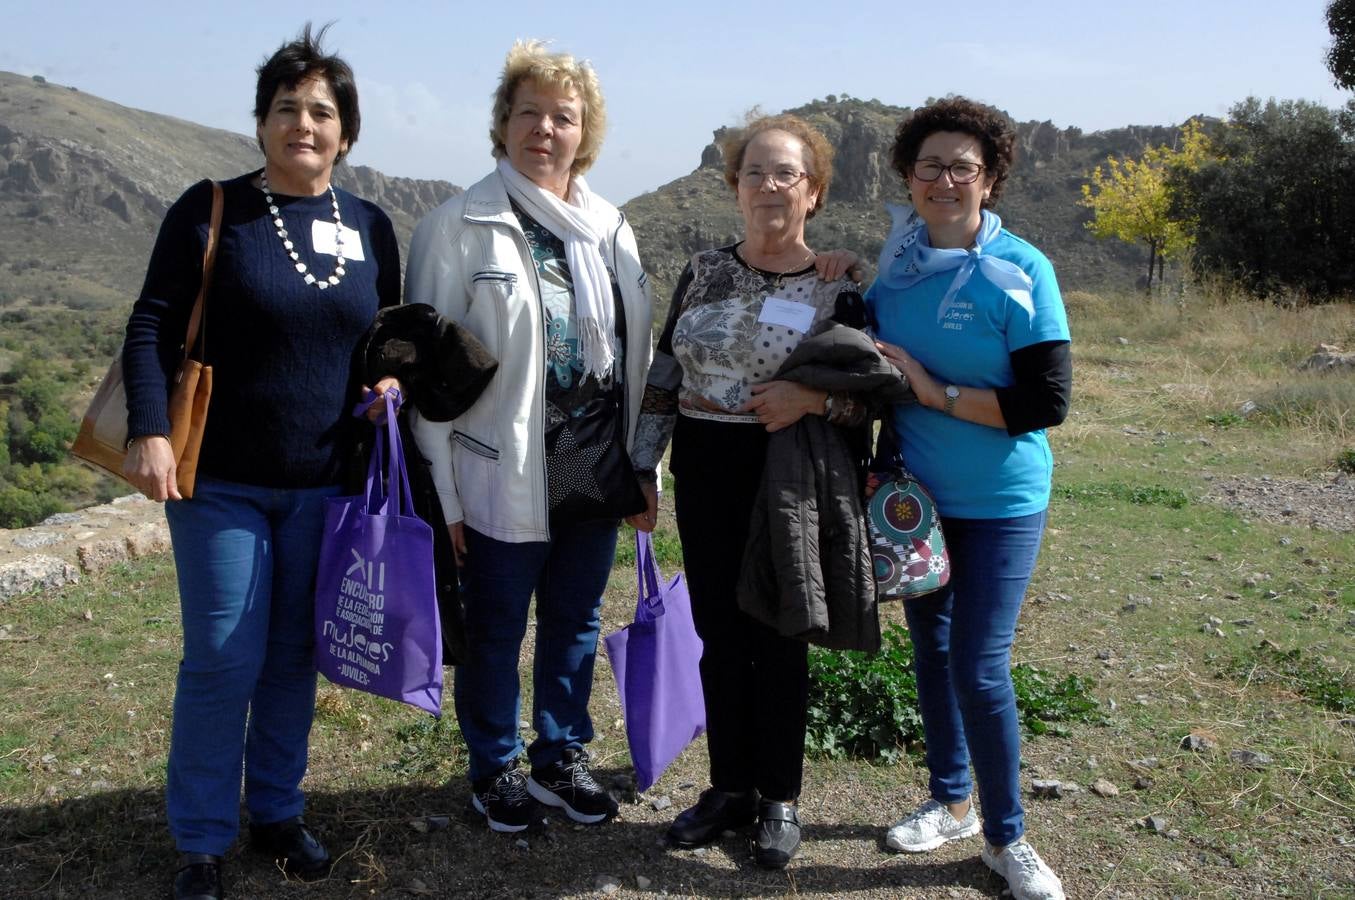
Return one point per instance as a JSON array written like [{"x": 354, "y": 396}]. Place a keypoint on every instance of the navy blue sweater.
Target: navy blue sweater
[{"x": 279, "y": 348}]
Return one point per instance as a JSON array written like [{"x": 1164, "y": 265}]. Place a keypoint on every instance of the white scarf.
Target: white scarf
[
  {"x": 579, "y": 224},
  {"x": 907, "y": 258}
]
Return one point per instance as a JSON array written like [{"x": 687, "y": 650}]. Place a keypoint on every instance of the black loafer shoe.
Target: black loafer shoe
[
  {"x": 291, "y": 842},
  {"x": 778, "y": 834},
  {"x": 197, "y": 876},
  {"x": 715, "y": 812}
]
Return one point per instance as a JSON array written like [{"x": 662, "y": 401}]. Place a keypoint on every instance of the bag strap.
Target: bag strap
[
  {"x": 649, "y": 599},
  {"x": 388, "y": 457},
  {"x": 374, "y": 494},
  {"x": 195, "y": 319},
  {"x": 894, "y": 467},
  {"x": 397, "y": 476}
]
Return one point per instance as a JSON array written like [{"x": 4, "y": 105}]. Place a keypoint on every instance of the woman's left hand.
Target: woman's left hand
[
  {"x": 377, "y": 410},
  {"x": 780, "y": 404},
  {"x": 835, "y": 263},
  {"x": 646, "y": 520}
]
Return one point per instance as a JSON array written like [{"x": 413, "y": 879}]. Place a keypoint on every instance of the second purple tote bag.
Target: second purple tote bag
[
  {"x": 376, "y": 610},
  {"x": 656, "y": 660}
]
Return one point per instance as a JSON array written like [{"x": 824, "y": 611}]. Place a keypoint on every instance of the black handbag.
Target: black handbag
[{"x": 588, "y": 470}]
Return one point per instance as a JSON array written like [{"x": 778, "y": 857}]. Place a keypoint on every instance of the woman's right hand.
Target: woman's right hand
[
  {"x": 457, "y": 530},
  {"x": 151, "y": 469}
]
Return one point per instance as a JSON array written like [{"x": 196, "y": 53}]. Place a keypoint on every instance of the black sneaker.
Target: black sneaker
[
  {"x": 503, "y": 799},
  {"x": 569, "y": 785}
]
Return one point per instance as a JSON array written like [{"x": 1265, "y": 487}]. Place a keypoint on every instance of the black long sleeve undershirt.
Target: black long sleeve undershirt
[{"x": 1043, "y": 388}]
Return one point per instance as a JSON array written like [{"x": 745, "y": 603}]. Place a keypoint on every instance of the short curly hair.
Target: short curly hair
[
  {"x": 530, "y": 61},
  {"x": 820, "y": 158},
  {"x": 991, "y": 127}
]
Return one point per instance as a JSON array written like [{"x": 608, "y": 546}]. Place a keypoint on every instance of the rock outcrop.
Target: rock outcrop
[{"x": 65, "y": 546}]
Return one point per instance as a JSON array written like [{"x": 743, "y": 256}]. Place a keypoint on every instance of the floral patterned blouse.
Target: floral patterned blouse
[{"x": 731, "y": 326}]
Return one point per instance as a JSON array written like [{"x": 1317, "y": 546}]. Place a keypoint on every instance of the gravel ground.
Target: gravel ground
[{"x": 1326, "y": 501}]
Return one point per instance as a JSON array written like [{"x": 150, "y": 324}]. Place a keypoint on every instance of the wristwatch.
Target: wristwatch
[{"x": 952, "y": 394}]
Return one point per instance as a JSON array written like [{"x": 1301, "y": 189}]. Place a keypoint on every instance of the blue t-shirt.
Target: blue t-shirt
[{"x": 974, "y": 471}]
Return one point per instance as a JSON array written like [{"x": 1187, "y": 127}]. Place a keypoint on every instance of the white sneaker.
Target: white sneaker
[
  {"x": 929, "y": 826},
  {"x": 1027, "y": 875}
]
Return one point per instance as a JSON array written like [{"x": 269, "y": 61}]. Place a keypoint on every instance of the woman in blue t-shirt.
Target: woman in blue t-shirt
[{"x": 972, "y": 315}]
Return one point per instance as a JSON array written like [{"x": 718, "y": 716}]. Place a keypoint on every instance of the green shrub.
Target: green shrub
[
  {"x": 865, "y": 705},
  {"x": 1345, "y": 460},
  {"x": 20, "y": 508}
]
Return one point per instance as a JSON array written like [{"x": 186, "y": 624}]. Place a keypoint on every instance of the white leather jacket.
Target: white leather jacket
[{"x": 469, "y": 259}]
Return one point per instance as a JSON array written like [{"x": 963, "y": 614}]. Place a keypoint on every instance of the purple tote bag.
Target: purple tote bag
[
  {"x": 376, "y": 614},
  {"x": 656, "y": 662}
]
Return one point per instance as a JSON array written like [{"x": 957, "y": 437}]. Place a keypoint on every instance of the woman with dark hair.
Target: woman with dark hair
[
  {"x": 301, "y": 269},
  {"x": 972, "y": 316}
]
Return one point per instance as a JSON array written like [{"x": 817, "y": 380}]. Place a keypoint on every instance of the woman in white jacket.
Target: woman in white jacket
[{"x": 535, "y": 478}]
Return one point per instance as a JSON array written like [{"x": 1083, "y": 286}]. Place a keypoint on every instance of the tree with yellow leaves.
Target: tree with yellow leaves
[{"x": 1131, "y": 199}]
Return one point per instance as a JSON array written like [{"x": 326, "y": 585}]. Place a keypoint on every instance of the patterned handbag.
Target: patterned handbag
[{"x": 907, "y": 548}]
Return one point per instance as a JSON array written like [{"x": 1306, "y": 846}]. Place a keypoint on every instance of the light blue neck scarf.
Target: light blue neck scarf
[{"x": 907, "y": 258}]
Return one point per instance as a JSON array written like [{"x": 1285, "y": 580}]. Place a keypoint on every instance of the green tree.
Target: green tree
[
  {"x": 1275, "y": 205},
  {"x": 1131, "y": 199},
  {"x": 1341, "y": 53}
]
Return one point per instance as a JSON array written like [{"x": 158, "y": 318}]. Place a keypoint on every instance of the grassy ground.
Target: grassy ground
[{"x": 1134, "y": 566}]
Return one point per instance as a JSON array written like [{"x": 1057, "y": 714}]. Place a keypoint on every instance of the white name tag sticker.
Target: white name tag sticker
[
  {"x": 322, "y": 241},
  {"x": 788, "y": 313}
]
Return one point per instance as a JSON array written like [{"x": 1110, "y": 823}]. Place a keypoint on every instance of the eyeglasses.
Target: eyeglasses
[
  {"x": 782, "y": 178},
  {"x": 962, "y": 172}
]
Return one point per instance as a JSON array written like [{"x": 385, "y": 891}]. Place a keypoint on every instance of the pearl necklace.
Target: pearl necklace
[{"x": 287, "y": 244}]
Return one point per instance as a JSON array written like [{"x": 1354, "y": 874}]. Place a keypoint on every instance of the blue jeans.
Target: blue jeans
[
  {"x": 246, "y": 559},
  {"x": 568, "y": 573},
  {"x": 962, "y": 640}
]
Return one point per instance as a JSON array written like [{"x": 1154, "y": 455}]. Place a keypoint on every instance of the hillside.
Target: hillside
[
  {"x": 1040, "y": 201},
  {"x": 85, "y": 182}
]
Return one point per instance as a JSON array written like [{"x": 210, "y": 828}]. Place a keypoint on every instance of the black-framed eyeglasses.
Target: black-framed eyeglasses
[
  {"x": 782, "y": 178},
  {"x": 961, "y": 172}
]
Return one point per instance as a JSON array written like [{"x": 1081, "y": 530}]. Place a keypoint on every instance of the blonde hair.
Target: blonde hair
[
  {"x": 819, "y": 151},
  {"x": 529, "y": 61}
]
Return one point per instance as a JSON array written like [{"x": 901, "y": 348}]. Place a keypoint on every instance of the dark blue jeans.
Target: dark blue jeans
[
  {"x": 962, "y": 637},
  {"x": 246, "y": 559},
  {"x": 568, "y": 574}
]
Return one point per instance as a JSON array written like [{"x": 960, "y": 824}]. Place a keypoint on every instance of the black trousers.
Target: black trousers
[{"x": 755, "y": 682}]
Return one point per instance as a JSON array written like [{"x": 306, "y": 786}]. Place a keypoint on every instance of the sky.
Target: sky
[{"x": 673, "y": 71}]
